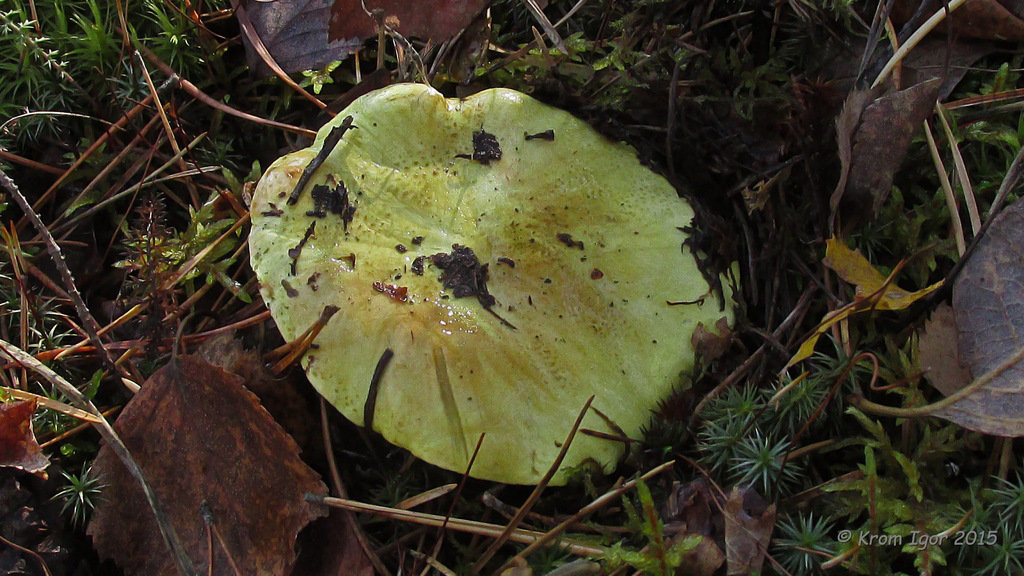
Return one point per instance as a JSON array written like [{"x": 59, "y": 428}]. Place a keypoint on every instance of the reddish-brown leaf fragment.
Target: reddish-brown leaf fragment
[
  {"x": 207, "y": 448},
  {"x": 988, "y": 300},
  {"x": 18, "y": 446},
  {"x": 710, "y": 345}
]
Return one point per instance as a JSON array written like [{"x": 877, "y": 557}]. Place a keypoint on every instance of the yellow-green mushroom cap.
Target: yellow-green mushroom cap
[{"x": 583, "y": 254}]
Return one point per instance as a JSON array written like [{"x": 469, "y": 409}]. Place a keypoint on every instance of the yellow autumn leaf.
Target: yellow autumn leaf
[
  {"x": 871, "y": 285},
  {"x": 874, "y": 292}
]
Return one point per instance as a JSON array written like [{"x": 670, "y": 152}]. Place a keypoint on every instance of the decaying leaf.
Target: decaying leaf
[
  {"x": 937, "y": 352},
  {"x": 309, "y": 34},
  {"x": 330, "y": 549},
  {"x": 224, "y": 469},
  {"x": 748, "y": 529},
  {"x": 437, "y": 20},
  {"x": 984, "y": 19},
  {"x": 988, "y": 299},
  {"x": 280, "y": 395},
  {"x": 937, "y": 59},
  {"x": 873, "y": 134},
  {"x": 871, "y": 285},
  {"x": 691, "y": 510},
  {"x": 18, "y": 446},
  {"x": 296, "y": 35}
]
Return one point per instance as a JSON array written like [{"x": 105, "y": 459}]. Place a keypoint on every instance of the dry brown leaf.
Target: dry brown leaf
[
  {"x": 296, "y": 35},
  {"x": 280, "y": 395},
  {"x": 18, "y": 446},
  {"x": 748, "y": 529},
  {"x": 988, "y": 299},
  {"x": 438, "y": 20},
  {"x": 222, "y": 467},
  {"x": 937, "y": 352},
  {"x": 691, "y": 510},
  {"x": 873, "y": 135},
  {"x": 330, "y": 549},
  {"x": 937, "y": 59},
  {"x": 981, "y": 19}
]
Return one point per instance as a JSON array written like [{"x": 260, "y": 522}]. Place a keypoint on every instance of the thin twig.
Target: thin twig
[
  {"x": 470, "y": 526},
  {"x": 524, "y": 510},
  {"x": 587, "y": 510},
  {"x": 88, "y": 322},
  {"x": 213, "y": 103}
]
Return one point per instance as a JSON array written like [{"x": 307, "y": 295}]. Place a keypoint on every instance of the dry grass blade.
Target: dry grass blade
[
  {"x": 193, "y": 192},
  {"x": 432, "y": 562},
  {"x": 947, "y": 189},
  {"x": 68, "y": 434},
  {"x": 469, "y": 526},
  {"x": 985, "y": 99},
  {"x": 424, "y": 497},
  {"x": 89, "y": 323},
  {"x": 570, "y": 13},
  {"x": 93, "y": 147},
  {"x": 524, "y": 510},
  {"x": 549, "y": 28},
  {"x": 961, "y": 171},
  {"x": 170, "y": 536},
  {"x": 149, "y": 180},
  {"x": 109, "y": 168},
  {"x": 51, "y": 404},
  {"x": 213, "y": 103},
  {"x": 915, "y": 39}
]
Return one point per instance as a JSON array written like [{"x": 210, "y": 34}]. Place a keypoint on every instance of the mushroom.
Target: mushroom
[{"x": 488, "y": 280}]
